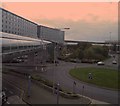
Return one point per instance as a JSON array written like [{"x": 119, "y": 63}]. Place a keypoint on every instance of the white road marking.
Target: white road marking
[
  {"x": 5, "y": 88},
  {"x": 7, "y": 102}
]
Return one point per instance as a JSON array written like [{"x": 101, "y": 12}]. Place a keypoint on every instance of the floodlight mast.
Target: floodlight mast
[{"x": 55, "y": 48}]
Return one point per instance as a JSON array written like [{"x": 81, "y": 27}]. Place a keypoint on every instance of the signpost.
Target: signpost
[
  {"x": 58, "y": 87},
  {"x": 83, "y": 90},
  {"x": 29, "y": 85},
  {"x": 74, "y": 85},
  {"x": 54, "y": 69}
]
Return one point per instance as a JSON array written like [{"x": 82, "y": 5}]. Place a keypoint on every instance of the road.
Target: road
[
  {"x": 10, "y": 89},
  {"x": 61, "y": 75},
  {"x": 66, "y": 81},
  {"x": 109, "y": 61},
  {"x": 39, "y": 95}
]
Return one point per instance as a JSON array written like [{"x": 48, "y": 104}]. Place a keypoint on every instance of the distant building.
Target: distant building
[
  {"x": 50, "y": 34},
  {"x": 14, "y": 24}
]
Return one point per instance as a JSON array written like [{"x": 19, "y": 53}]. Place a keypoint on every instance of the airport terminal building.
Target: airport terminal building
[
  {"x": 17, "y": 25},
  {"x": 14, "y": 24},
  {"x": 50, "y": 34},
  {"x": 19, "y": 34}
]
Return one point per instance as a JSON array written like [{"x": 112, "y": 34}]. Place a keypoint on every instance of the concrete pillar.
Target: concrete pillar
[
  {"x": 31, "y": 59},
  {"x": 42, "y": 56}
]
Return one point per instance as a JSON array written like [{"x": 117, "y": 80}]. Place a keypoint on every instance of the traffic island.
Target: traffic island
[{"x": 48, "y": 85}]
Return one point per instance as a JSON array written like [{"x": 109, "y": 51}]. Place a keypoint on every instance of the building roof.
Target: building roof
[{"x": 18, "y": 16}]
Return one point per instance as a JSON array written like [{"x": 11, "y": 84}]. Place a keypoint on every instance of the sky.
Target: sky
[{"x": 89, "y": 21}]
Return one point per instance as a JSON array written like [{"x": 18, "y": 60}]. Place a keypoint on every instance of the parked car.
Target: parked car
[
  {"x": 114, "y": 62},
  {"x": 91, "y": 61},
  {"x": 3, "y": 97},
  {"x": 100, "y": 63}
]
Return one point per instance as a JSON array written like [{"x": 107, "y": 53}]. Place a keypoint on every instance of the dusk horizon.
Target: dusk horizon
[{"x": 88, "y": 21}]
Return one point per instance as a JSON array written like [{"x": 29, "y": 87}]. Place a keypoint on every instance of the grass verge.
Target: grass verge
[{"x": 102, "y": 77}]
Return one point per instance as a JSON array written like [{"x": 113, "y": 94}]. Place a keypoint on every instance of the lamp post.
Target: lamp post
[
  {"x": 58, "y": 87},
  {"x": 66, "y": 28},
  {"x": 74, "y": 87},
  {"x": 55, "y": 46},
  {"x": 83, "y": 88},
  {"x": 54, "y": 59},
  {"x": 110, "y": 44},
  {"x": 29, "y": 85}
]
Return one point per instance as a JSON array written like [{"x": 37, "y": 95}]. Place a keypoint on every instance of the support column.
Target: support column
[{"x": 31, "y": 59}]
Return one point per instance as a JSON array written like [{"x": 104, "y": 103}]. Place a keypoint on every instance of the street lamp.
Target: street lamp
[
  {"x": 29, "y": 85},
  {"x": 110, "y": 44},
  {"x": 58, "y": 87},
  {"x": 55, "y": 46},
  {"x": 54, "y": 68},
  {"x": 66, "y": 28},
  {"x": 74, "y": 86}
]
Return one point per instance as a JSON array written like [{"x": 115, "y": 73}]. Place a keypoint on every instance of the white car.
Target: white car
[
  {"x": 100, "y": 63},
  {"x": 114, "y": 62}
]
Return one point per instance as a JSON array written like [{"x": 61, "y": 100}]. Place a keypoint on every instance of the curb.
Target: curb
[{"x": 63, "y": 94}]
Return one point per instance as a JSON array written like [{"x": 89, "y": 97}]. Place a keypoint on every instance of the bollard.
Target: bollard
[
  {"x": 58, "y": 86},
  {"x": 74, "y": 85},
  {"x": 29, "y": 85}
]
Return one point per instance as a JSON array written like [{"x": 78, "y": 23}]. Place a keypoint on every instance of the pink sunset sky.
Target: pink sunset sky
[{"x": 87, "y": 20}]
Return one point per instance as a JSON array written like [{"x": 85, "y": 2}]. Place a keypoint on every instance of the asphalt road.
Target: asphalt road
[
  {"x": 10, "y": 89},
  {"x": 109, "y": 61},
  {"x": 62, "y": 76},
  {"x": 39, "y": 95},
  {"x": 59, "y": 74}
]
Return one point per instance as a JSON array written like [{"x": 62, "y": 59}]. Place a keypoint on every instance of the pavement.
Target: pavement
[{"x": 15, "y": 100}]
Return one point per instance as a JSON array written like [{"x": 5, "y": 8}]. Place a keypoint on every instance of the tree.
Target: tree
[
  {"x": 84, "y": 45},
  {"x": 96, "y": 52}
]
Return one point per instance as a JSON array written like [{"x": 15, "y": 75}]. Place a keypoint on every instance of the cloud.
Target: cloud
[{"x": 83, "y": 30}]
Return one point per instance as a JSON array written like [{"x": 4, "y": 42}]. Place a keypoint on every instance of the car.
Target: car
[
  {"x": 114, "y": 62},
  {"x": 100, "y": 63},
  {"x": 3, "y": 97}
]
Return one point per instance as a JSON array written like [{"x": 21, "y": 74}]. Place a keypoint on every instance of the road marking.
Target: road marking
[
  {"x": 19, "y": 89},
  {"x": 18, "y": 97},
  {"x": 5, "y": 88},
  {"x": 7, "y": 102}
]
